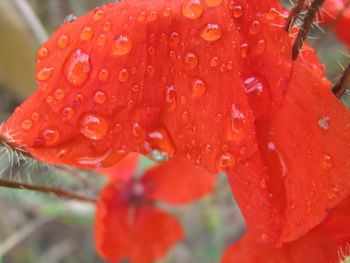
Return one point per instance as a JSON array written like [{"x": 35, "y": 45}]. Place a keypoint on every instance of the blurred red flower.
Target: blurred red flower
[{"x": 128, "y": 223}]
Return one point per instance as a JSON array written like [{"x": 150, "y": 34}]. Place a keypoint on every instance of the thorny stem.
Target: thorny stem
[
  {"x": 340, "y": 87},
  {"x": 299, "y": 6},
  {"x": 305, "y": 28},
  {"x": 45, "y": 189},
  {"x": 14, "y": 147}
]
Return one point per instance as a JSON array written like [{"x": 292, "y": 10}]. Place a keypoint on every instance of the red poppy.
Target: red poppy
[
  {"x": 211, "y": 81},
  {"x": 128, "y": 223},
  {"x": 327, "y": 242}
]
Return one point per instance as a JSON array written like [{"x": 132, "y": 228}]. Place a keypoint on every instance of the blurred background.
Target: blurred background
[{"x": 44, "y": 228}]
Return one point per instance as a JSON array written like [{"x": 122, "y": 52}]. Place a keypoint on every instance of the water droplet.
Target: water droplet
[
  {"x": 151, "y": 51},
  {"x": 44, "y": 74},
  {"x": 258, "y": 92},
  {"x": 214, "y": 61},
  {"x": 152, "y": 16},
  {"x": 49, "y": 99},
  {"x": 172, "y": 55},
  {"x": 98, "y": 15},
  {"x": 43, "y": 52},
  {"x": 185, "y": 115},
  {"x": 141, "y": 16},
  {"x": 107, "y": 26},
  {"x": 100, "y": 97},
  {"x": 123, "y": 75},
  {"x": 59, "y": 94},
  {"x": 158, "y": 156},
  {"x": 260, "y": 47},
  {"x": 101, "y": 40},
  {"x": 198, "y": 88},
  {"x": 277, "y": 165},
  {"x": 103, "y": 74},
  {"x": 70, "y": 18},
  {"x": 190, "y": 60},
  {"x": 86, "y": 33},
  {"x": 224, "y": 162},
  {"x": 237, "y": 11},
  {"x": 333, "y": 193},
  {"x": 208, "y": 148},
  {"x": 235, "y": 124},
  {"x": 263, "y": 183},
  {"x": 27, "y": 124},
  {"x": 213, "y": 3},
  {"x": 160, "y": 140},
  {"x": 67, "y": 113},
  {"x": 166, "y": 12},
  {"x": 324, "y": 123},
  {"x": 77, "y": 68},
  {"x": 35, "y": 116},
  {"x": 62, "y": 41},
  {"x": 174, "y": 38},
  {"x": 50, "y": 136},
  {"x": 138, "y": 132},
  {"x": 135, "y": 88},
  {"x": 255, "y": 27},
  {"x": 170, "y": 98},
  {"x": 150, "y": 70},
  {"x": 326, "y": 161},
  {"x": 131, "y": 104},
  {"x": 192, "y": 9},
  {"x": 122, "y": 45},
  {"x": 211, "y": 32},
  {"x": 93, "y": 126},
  {"x": 244, "y": 50}
]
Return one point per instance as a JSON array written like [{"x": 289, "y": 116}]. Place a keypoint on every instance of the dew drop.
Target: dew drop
[
  {"x": 152, "y": 16},
  {"x": 260, "y": 47},
  {"x": 244, "y": 50},
  {"x": 43, "y": 52},
  {"x": 138, "y": 132},
  {"x": 324, "y": 123},
  {"x": 123, "y": 75},
  {"x": 160, "y": 140},
  {"x": 190, "y": 60},
  {"x": 107, "y": 26},
  {"x": 198, "y": 88},
  {"x": 62, "y": 41},
  {"x": 166, "y": 12},
  {"x": 141, "y": 16},
  {"x": 192, "y": 9},
  {"x": 237, "y": 11},
  {"x": 326, "y": 161},
  {"x": 59, "y": 94},
  {"x": 77, "y": 68},
  {"x": 67, "y": 113},
  {"x": 150, "y": 70},
  {"x": 50, "y": 136},
  {"x": 27, "y": 124},
  {"x": 35, "y": 116},
  {"x": 70, "y": 18},
  {"x": 122, "y": 45},
  {"x": 98, "y": 15},
  {"x": 235, "y": 124},
  {"x": 86, "y": 33},
  {"x": 174, "y": 38},
  {"x": 103, "y": 74},
  {"x": 172, "y": 55},
  {"x": 158, "y": 156},
  {"x": 100, "y": 97},
  {"x": 333, "y": 193},
  {"x": 208, "y": 148},
  {"x": 44, "y": 74},
  {"x": 214, "y": 61},
  {"x": 101, "y": 40},
  {"x": 211, "y": 32},
  {"x": 93, "y": 126},
  {"x": 170, "y": 98},
  {"x": 185, "y": 115},
  {"x": 131, "y": 104},
  {"x": 255, "y": 27},
  {"x": 224, "y": 162},
  {"x": 135, "y": 88},
  {"x": 213, "y": 3},
  {"x": 151, "y": 51},
  {"x": 258, "y": 92}
]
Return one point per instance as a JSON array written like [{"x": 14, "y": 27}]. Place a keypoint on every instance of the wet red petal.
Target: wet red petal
[
  {"x": 306, "y": 149},
  {"x": 177, "y": 181},
  {"x": 341, "y": 28},
  {"x": 141, "y": 233},
  {"x": 320, "y": 245}
]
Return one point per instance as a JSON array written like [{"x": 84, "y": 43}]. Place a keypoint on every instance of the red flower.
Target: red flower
[
  {"x": 128, "y": 224},
  {"x": 323, "y": 244},
  {"x": 211, "y": 81}
]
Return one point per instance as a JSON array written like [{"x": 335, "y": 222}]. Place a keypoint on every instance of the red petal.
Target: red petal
[
  {"x": 321, "y": 245},
  {"x": 341, "y": 28},
  {"x": 178, "y": 181},
  {"x": 306, "y": 149},
  {"x": 140, "y": 233}
]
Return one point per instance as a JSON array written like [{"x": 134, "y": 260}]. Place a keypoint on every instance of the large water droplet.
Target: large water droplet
[
  {"x": 103, "y": 74},
  {"x": 59, "y": 94},
  {"x": 93, "y": 126},
  {"x": 123, "y": 75},
  {"x": 77, "y": 68},
  {"x": 27, "y": 124},
  {"x": 160, "y": 140},
  {"x": 44, "y": 74},
  {"x": 170, "y": 98},
  {"x": 213, "y": 3},
  {"x": 210, "y": 32},
  {"x": 255, "y": 27},
  {"x": 224, "y": 162},
  {"x": 122, "y": 45},
  {"x": 192, "y": 9},
  {"x": 62, "y": 41},
  {"x": 67, "y": 113},
  {"x": 190, "y": 60},
  {"x": 50, "y": 136},
  {"x": 158, "y": 156},
  {"x": 98, "y": 15},
  {"x": 235, "y": 124},
  {"x": 326, "y": 161},
  {"x": 258, "y": 92},
  {"x": 43, "y": 52},
  {"x": 237, "y": 11},
  {"x": 198, "y": 88},
  {"x": 86, "y": 33},
  {"x": 100, "y": 97}
]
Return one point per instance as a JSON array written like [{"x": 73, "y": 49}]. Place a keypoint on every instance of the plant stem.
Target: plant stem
[
  {"x": 344, "y": 81},
  {"x": 294, "y": 13},
  {"x": 45, "y": 189}
]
